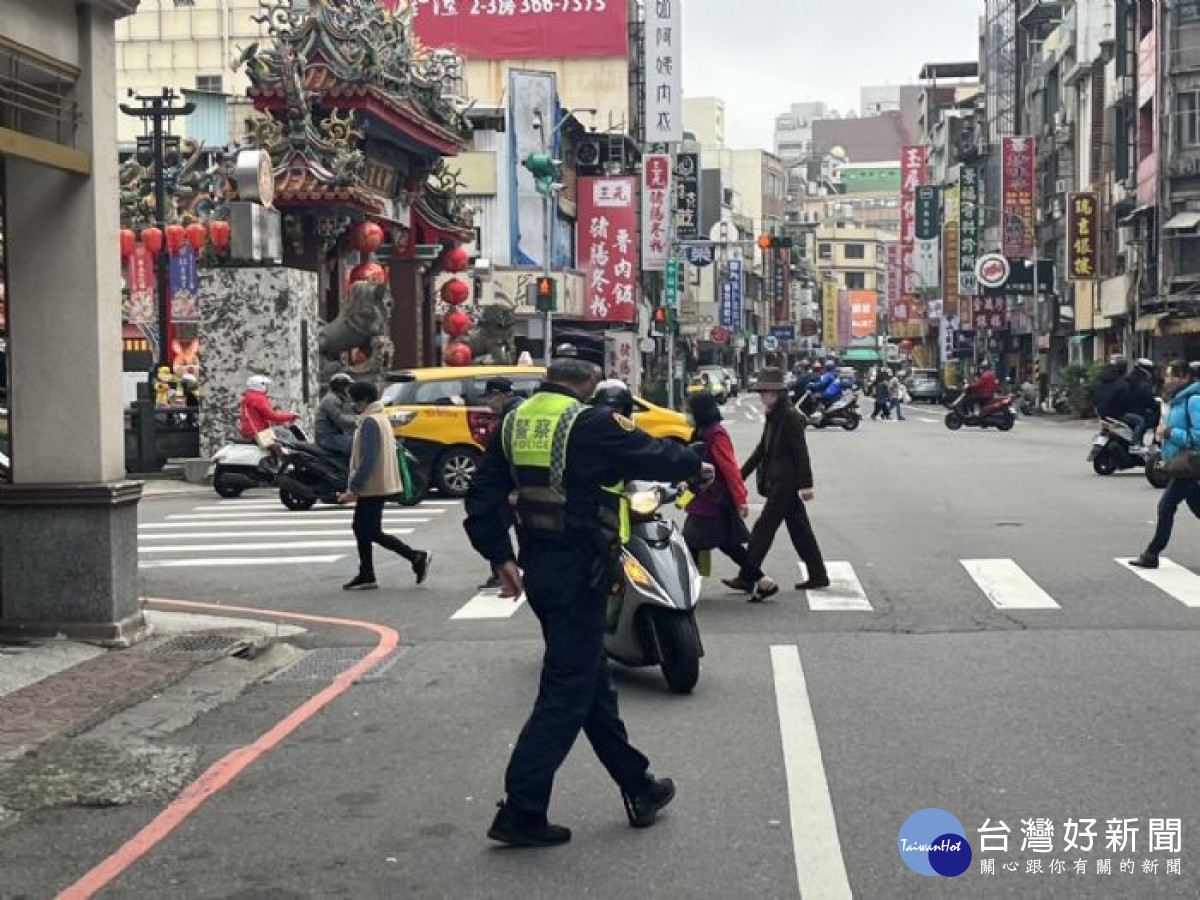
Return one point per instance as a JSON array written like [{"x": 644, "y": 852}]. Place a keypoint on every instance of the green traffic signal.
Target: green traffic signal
[{"x": 544, "y": 169}]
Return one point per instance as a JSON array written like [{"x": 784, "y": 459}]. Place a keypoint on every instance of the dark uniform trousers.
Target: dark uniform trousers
[
  {"x": 781, "y": 508},
  {"x": 576, "y": 690}
]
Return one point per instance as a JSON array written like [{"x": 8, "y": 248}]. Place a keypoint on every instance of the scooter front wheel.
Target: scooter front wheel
[
  {"x": 852, "y": 421},
  {"x": 227, "y": 485},
  {"x": 679, "y": 640},
  {"x": 1104, "y": 463},
  {"x": 295, "y": 502},
  {"x": 954, "y": 421}
]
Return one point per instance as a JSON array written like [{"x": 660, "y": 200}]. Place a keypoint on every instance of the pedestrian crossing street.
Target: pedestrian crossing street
[{"x": 240, "y": 533}]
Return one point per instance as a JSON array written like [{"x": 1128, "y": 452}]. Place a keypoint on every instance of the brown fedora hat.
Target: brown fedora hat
[{"x": 770, "y": 379}]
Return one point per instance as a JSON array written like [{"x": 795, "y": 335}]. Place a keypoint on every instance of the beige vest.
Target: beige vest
[{"x": 385, "y": 479}]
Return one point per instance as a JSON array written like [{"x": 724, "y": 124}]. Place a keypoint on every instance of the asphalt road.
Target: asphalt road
[{"x": 984, "y": 654}]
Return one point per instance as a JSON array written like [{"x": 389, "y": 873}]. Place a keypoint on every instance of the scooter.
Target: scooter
[
  {"x": 242, "y": 463},
  {"x": 997, "y": 414},
  {"x": 1114, "y": 450},
  {"x": 311, "y": 475},
  {"x": 653, "y": 623},
  {"x": 843, "y": 411}
]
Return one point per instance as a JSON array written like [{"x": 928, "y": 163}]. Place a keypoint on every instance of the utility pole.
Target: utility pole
[{"x": 157, "y": 113}]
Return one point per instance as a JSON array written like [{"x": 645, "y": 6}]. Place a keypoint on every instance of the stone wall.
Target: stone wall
[{"x": 256, "y": 321}]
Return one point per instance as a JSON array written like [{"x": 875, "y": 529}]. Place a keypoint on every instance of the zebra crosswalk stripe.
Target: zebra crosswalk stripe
[
  {"x": 1172, "y": 579},
  {"x": 1006, "y": 584},
  {"x": 489, "y": 605},
  {"x": 844, "y": 594},
  {"x": 213, "y": 562}
]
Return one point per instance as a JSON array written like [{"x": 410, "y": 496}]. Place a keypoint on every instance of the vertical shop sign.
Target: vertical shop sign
[
  {"x": 687, "y": 196},
  {"x": 656, "y": 208},
  {"x": 1018, "y": 158},
  {"x": 608, "y": 242},
  {"x": 1083, "y": 236},
  {"x": 829, "y": 315},
  {"x": 664, "y": 72},
  {"x": 912, "y": 176},
  {"x": 969, "y": 230}
]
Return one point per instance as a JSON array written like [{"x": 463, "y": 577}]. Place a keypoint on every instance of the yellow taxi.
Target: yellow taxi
[{"x": 443, "y": 416}]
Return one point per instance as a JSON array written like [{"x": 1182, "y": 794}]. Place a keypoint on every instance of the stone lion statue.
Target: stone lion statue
[
  {"x": 491, "y": 339},
  {"x": 356, "y": 341}
]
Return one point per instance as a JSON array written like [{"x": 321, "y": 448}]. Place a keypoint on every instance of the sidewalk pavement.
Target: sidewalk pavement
[
  {"x": 55, "y": 689},
  {"x": 171, "y": 487}
]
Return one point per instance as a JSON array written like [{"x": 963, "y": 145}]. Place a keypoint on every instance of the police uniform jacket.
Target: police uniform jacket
[{"x": 603, "y": 448}]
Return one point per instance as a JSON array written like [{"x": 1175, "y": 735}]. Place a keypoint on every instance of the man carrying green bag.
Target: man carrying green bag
[{"x": 375, "y": 478}]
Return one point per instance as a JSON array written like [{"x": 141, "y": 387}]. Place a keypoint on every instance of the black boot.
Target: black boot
[
  {"x": 1147, "y": 560},
  {"x": 644, "y": 807},
  {"x": 524, "y": 829}
]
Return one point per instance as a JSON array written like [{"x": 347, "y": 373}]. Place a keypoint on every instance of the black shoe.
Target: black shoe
[
  {"x": 491, "y": 584},
  {"x": 1145, "y": 561},
  {"x": 421, "y": 566},
  {"x": 361, "y": 583},
  {"x": 644, "y": 808},
  {"x": 522, "y": 829},
  {"x": 762, "y": 595},
  {"x": 813, "y": 584}
]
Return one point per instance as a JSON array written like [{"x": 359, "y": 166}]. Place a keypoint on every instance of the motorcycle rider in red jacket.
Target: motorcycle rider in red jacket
[
  {"x": 982, "y": 390},
  {"x": 258, "y": 413}
]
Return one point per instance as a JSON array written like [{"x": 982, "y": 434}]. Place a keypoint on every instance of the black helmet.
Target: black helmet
[
  {"x": 499, "y": 385},
  {"x": 566, "y": 350},
  {"x": 340, "y": 381},
  {"x": 615, "y": 395},
  {"x": 1194, "y": 371}
]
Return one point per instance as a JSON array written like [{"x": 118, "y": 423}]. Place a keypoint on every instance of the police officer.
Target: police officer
[{"x": 559, "y": 455}]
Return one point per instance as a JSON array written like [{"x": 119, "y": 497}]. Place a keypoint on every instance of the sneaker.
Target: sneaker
[
  {"x": 361, "y": 583},
  {"x": 643, "y": 809},
  {"x": 1145, "y": 561},
  {"x": 421, "y": 566},
  {"x": 813, "y": 584},
  {"x": 522, "y": 829}
]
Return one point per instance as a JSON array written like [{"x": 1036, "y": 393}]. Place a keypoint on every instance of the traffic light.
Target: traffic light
[
  {"x": 546, "y": 294},
  {"x": 770, "y": 242},
  {"x": 544, "y": 169},
  {"x": 660, "y": 316}
]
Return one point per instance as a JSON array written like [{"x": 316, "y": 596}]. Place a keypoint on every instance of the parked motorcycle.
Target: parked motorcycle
[
  {"x": 242, "y": 463},
  {"x": 996, "y": 414},
  {"x": 653, "y": 623},
  {"x": 1113, "y": 449},
  {"x": 312, "y": 475}
]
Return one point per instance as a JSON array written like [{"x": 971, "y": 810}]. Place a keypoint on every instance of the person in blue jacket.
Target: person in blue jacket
[{"x": 1179, "y": 431}]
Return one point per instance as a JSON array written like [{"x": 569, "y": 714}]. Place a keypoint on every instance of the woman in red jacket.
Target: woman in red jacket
[
  {"x": 257, "y": 412},
  {"x": 716, "y": 517}
]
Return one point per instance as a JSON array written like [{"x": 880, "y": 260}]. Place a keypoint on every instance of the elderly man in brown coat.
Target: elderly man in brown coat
[{"x": 785, "y": 479}]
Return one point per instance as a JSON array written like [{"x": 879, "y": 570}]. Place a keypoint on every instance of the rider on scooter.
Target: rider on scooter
[
  {"x": 258, "y": 414},
  {"x": 982, "y": 390}
]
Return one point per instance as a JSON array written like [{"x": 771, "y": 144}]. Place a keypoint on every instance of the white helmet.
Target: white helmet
[{"x": 258, "y": 383}]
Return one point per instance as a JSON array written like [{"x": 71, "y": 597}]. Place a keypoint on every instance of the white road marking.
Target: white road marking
[
  {"x": 1007, "y": 585},
  {"x": 214, "y": 562},
  {"x": 490, "y": 605},
  {"x": 844, "y": 594},
  {"x": 210, "y": 535},
  {"x": 268, "y": 545},
  {"x": 348, "y": 513},
  {"x": 927, "y": 421},
  {"x": 820, "y": 868},
  {"x": 255, "y": 523},
  {"x": 1172, "y": 579}
]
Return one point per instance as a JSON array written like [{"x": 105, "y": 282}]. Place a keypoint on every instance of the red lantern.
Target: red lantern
[
  {"x": 456, "y": 323},
  {"x": 176, "y": 238},
  {"x": 197, "y": 234},
  {"x": 368, "y": 271},
  {"x": 152, "y": 239},
  {"x": 455, "y": 260},
  {"x": 128, "y": 242},
  {"x": 366, "y": 237},
  {"x": 457, "y": 354},
  {"x": 455, "y": 292},
  {"x": 220, "y": 235}
]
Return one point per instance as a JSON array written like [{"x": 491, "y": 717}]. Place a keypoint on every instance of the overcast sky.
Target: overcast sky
[{"x": 759, "y": 56}]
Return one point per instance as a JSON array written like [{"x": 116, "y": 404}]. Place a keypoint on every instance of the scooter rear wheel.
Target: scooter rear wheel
[
  {"x": 679, "y": 640},
  {"x": 954, "y": 421},
  {"x": 1006, "y": 424},
  {"x": 1104, "y": 463},
  {"x": 852, "y": 421},
  {"x": 227, "y": 486},
  {"x": 294, "y": 502}
]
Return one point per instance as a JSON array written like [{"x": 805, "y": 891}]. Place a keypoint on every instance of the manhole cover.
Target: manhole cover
[
  {"x": 207, "y": 644},
  {"x": 328, "y": 663}
]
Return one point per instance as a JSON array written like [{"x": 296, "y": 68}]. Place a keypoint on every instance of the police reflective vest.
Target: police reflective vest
[{"x": 535, "y": 438}]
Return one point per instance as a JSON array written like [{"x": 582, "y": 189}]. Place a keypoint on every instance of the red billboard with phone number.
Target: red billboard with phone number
[{"x": 523, "y": 29}]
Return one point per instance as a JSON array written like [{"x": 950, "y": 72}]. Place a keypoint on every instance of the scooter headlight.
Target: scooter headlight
[
  {"x": 636, "y": 572},
  {"x": 644, "y": 503}
]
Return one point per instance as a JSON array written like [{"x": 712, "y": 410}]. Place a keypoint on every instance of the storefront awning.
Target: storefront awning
[
  {"x": 1136, "y": 214},
  {"x": 1184, "y": 221},
  {"x": 1190, "y": 325},
  {"x": 1148, "y": 323},
  {"x": 861, "y": 354}
]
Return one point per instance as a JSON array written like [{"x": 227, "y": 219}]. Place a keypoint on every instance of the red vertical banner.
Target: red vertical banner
[
  {"x": 1019, "y": 160},
  {"x": 608, "y": 248},
  {"x": 894, "y": 277},
  {"x": 140, "y": 306},
  {"x": 912, "y": 175},
  {"x": 656, "y": 208}
]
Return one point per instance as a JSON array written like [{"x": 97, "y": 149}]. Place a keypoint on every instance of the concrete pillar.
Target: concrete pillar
[
  {"x": 68, "y": 528},
  {"x": 406, "y": 325}
]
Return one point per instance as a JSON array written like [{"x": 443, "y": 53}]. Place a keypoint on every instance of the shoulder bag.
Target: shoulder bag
[{"x": 1185, "y": 464}]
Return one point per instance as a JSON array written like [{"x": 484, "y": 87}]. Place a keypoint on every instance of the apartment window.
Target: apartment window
[
  {"x": 210, "y": 83},
  {"x": 1189, "y": 10},
  {"x": 1189, "y": 118},
  {"x": 856, "y": 281},
  {"x": 825, "y": 252},
  {"x": 856, "y": 251}
]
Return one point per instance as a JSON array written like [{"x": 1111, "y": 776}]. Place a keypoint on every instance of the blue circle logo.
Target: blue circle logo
[{"x": 933, "y": 842}]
